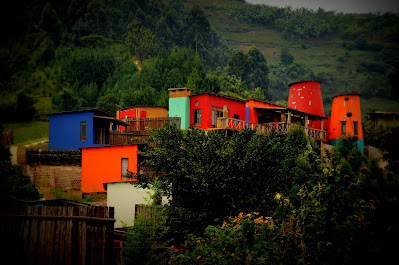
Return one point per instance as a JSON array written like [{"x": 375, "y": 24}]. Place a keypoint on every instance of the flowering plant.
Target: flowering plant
[{"x": 245, "y": 238}]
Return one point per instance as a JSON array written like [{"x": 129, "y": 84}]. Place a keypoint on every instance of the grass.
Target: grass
[{"x": 28, "y": 132}]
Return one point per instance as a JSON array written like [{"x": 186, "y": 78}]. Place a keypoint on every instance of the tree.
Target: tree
[
  {"x": 209, "y": 176},
  {"x": 15, "y": 184},
  {"x": 25, "y": 107},
  {"x": 198, "y": 27},
  {"x": 140, "y": 42},
  {"x": 108, "y": 103},
  {"x": 286, "y": 57},
  {"x": 145, "y": 241}
]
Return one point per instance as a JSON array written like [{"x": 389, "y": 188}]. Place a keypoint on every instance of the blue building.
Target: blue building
[{"x": 71, "y": 130}]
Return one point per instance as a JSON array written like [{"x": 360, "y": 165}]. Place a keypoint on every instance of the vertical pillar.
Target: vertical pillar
[{"x": 306, "y": 124}]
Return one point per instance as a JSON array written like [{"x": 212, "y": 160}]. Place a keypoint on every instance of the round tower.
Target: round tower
[
  {"x": 306, "y": 97},
  {"x": 346, "y": 119}
]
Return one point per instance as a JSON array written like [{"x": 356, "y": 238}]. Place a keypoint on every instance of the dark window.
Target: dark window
[
  {"x": 197, "y": 116},
  {"x": 355, "y": 127},
  {"x": 83, "y": 131},
  {"x": 343, "y": 128},
  {"x": 237, "y": 117},
  {"x": 216, "y": 113}
]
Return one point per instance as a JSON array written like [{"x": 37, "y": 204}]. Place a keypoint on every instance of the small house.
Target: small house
[
  {"x": 72, "y": 130},
  {"x": 107, "y": 164}
]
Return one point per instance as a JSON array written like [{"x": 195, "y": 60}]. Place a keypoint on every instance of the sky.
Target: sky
[{"x": 344, "y": 6}]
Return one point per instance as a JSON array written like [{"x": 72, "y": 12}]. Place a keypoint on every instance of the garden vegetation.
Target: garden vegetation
[{"x": 269, "y": 199}]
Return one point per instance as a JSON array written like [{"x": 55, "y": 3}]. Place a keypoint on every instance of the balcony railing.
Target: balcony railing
[
  {"x": 267, "y": 128},
  {"x": 139, "y": 130},
  {"x": 151, "y": 123},
  {"x": 128, "y": 137}
]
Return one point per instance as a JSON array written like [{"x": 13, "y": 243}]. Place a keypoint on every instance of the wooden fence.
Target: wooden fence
[
  {"x": 7, "y": 138},
  {"x": 58, "y": 235},
  {"x": 128, "y": 137},
  {"x": 151, "y": 123}
]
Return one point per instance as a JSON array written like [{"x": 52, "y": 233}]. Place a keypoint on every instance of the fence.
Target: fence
[
  {"x": 7, "y": 138},
  {"x": 267, "y": 128},
  {"x": 128, "y": 137},
  {"x": 58, "y": 235},
  {"x": 151, "y": 123}
]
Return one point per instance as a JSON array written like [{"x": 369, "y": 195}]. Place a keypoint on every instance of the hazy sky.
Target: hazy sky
[{"x": 345, "y": 6}]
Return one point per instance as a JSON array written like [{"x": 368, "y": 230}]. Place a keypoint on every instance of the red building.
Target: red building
[
  {"x": 306, "y": 97},
  {"x": 206, "y": 108}
]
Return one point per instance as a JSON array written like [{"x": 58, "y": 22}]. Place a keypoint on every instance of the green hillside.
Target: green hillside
[{"x": 63, "y": 55}]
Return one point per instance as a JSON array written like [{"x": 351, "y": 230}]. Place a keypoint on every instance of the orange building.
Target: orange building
[
  {"x": 141, "y": 112},
  {"x": 346, "y": 119},
  {"x": 106, "y": 164}
]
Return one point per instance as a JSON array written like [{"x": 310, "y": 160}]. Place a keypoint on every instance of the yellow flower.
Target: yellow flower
[
  {"x": 198, "y": 257},
  {"x": 248, "y": 215}
]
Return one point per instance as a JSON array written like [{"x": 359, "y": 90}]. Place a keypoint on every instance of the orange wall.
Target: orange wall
[
  {"x": 104, "y": 164},
  {"x": 339, "y": 112}
]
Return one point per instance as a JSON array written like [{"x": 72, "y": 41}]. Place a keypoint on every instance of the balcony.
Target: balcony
[
  {"x": 267, "y": 128},
  {"x": 139, "y": 130},
  {"x": 143, "y": 124}
]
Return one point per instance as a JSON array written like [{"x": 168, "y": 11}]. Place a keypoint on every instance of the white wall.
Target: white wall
[{"x": 123, "y": 196}]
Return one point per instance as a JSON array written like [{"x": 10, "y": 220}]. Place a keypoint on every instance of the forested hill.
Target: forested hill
[{"x": 70, "y": 54}]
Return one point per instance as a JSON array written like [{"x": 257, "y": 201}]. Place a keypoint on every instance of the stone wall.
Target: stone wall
[{"x": 47, "y": 176}]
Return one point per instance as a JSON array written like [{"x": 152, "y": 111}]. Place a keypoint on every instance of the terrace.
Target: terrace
[
  {"x": 140, "y": 129},
  {"x": 268, "y": 128}
]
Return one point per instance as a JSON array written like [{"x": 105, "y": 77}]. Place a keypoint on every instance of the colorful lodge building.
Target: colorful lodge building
[{"x": 110, "y": 144}]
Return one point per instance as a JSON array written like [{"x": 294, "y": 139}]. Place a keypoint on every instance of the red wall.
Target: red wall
[
  {"x": 306, "y": 97},
  {"x": 253, "y": 113},
  {"x": 207, "y": 101},
  {"x": 104, "y": 164}
]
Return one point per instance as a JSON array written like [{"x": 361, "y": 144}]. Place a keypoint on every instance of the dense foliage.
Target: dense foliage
[
  {"x": 210, "y": 176},
  {"x": 79, "y": 53},
  {"x": 15, "y": 184},
  {"x": 258, "y": 199}
]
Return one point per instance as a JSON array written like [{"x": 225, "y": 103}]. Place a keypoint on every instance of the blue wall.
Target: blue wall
[
  {"x": 359, "y": 143},
  {"x": 64, "y": 130}
]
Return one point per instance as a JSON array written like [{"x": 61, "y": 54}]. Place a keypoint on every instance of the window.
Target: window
[
  {"x": 216, "y": 113},
  {"x": 83, "y": 131},
  {"x": 237, "y": 117},
  {"x": 197, "y": 116},
  {"x": 343, "y": 128},
  {"x": 355, "y": 127},
  {"x": 124, "y": 171}
]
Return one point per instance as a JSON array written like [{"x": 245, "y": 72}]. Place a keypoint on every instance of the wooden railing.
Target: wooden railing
[
  {"x": 151, "y": 123},
  {"x": 128, "y": 137},
  {"x": 267, "y": 128}
]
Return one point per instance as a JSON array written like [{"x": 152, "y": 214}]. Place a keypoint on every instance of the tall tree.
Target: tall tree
[
  {"x": 198, "y": 27},
  {"x": 141, "y": 43}
]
